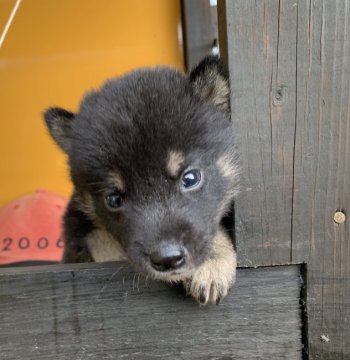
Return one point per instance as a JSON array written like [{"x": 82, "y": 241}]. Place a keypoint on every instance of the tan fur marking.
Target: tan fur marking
[
  {"x": 86, "y": 205},
  {"x": 117, "y": 180},
  {"x": 174, "y": 161},
  {"x": 221, "y": 92},
  {"x": 212, "y": 280},
  {"x": 103, "y": 247},
  {"x": 215, "y": 88},
  {"x": 226, "y": 166}
]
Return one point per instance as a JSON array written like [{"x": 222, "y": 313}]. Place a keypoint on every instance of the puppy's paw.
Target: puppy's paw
[{"x": 212, "y": 281}]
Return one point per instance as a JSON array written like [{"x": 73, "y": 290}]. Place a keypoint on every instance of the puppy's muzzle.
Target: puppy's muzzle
[{"x": 168, "y": 257}]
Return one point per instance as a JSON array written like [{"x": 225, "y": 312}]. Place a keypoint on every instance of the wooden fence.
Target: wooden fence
[{"x": 289, "y": 64}]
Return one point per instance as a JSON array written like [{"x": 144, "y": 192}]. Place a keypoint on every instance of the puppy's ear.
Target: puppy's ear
[
  {"x": 211, "y": 82},
  {"x": 59, "y": 123}
]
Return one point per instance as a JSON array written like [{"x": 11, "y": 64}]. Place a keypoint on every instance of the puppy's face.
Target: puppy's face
[{"x": 153, "y": 162}]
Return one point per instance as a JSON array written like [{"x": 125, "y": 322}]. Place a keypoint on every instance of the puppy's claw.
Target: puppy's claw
[
  {"x": 219, "y": 295},
  {"x": 202, "y": 296}
]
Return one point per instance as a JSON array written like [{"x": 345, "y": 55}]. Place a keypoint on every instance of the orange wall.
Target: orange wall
[{"x": 56, "y": 50}]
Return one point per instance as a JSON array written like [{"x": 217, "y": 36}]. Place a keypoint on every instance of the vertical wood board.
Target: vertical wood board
[
  {"x": 289, "y": 66},
  {"x": 261, "y": 52},
  {"x": 322, "y": 172}
]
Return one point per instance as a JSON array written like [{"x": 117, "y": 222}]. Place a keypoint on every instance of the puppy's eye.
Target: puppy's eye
[
  {"x": 113, "y": 201},
  {"x": 191, "y": 179}
]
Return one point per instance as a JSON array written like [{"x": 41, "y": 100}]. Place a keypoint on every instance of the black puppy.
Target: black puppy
[{"x": 154, "y": 167}]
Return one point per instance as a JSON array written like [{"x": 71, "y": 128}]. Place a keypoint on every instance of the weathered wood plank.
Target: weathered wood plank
[
  {"x": 107, "y": 312},
  {"x": 322, "y": 172},
  {"x": 317, "y": 182},
  {"x": 261, "y": 52},
  {"x": 199, "y": 22}
]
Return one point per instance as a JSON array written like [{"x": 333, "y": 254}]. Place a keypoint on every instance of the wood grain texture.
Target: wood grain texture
[
  {"x": 322, "y": 172},
  {"x": 199, "y": 22},
  {"x": 289, "y": 65},
  {"x": 261, "y": 50},
  {"x": 107, "y": 311}
]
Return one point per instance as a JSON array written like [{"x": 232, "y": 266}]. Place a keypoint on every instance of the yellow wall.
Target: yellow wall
[{"x": 54, "y": 51}]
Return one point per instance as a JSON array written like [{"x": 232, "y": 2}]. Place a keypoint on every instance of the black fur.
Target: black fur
[
  {"x": 128, "y": 127},
  {"x": 59, "y": 123},
  {"x": 77, "y": 227}
]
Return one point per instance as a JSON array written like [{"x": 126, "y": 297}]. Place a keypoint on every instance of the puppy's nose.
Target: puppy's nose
[{"x": 168, "y": 257}]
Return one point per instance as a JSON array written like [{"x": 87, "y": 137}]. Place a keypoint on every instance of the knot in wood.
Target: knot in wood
[
  {"x": 279, "y": 95},
  {"x": 339, "y": 217}
]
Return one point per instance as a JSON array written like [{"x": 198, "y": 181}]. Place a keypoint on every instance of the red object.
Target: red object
[{"x": 31, "y": 228}]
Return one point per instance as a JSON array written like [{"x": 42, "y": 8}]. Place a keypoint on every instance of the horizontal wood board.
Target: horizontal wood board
[{"x": 106, "y": 311}]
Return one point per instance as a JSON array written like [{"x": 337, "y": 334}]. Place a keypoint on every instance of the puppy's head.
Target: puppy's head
[{"x": 152, "y": 158}]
